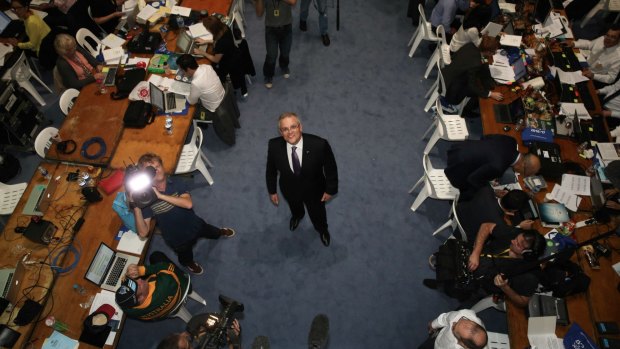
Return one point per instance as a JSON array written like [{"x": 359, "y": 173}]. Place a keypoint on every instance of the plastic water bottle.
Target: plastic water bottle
[
  {"x": 59, "y": 326},
  {"x": 45, "y": 173},
  {"x": 79, "y": 289},
  {"x": 102, "y": 89},
  {"x": 168, "y": 125}
]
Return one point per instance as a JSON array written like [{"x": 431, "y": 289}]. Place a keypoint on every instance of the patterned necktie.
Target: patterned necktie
[{"x": 296, "y": 164}]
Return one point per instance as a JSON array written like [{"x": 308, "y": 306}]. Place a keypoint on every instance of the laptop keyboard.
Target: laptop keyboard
[
  {"x": 584, "y": 93},
  {"x": 115, "y": 271},
  {"x": 110, "y": 77},
  {"x": 171, "y": 102}
]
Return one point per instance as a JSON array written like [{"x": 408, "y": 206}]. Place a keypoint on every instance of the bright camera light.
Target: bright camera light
[{"x": 139, "y": 182}]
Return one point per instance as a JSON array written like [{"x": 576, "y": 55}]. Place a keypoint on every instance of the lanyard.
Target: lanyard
[{"x": 503, "y": 254}]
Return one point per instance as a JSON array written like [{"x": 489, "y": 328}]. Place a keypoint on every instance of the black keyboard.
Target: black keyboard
[
  {"x": 597, "y": 130},
  {"x": 115, "y": 272},
  {"x": 584, "y": 93},
  {"x": 7, "y": 286},
  {"x": 171, "y": 102},
  {"x": 571, "y": 57},
  {"x": 566, "y": 60}
]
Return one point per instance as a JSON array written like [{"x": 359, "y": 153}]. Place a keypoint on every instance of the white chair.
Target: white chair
[
  {"x": 180, "y": 311},
  {"x": 488, "y": 302},
  {"x": 605, "y": 6},
  {"x": 66, "y": 100},
  {"x": 83, "y": 36},
  {"x": 441, "y": 54},
  {"x": 423, "y": 32},
  {"x": 453, "y": 222},
  {"x": 192, "y": 157},
  {"x": 9, "y": 196},
  {"x": 436, "y": 185},
  {"x": 447, "y": 127},
  {"x": 43, "y": 142},
  {"x": 22, "y": 72}
]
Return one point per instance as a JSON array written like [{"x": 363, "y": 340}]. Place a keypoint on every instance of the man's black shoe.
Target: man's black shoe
[
  {"x": 294, "y": 223},
  {"x": 319, "y": 332},
  {"x": 325, "y": 39},
  {"x": 325, "y": 238},
  {"x": 430, "y": 283},
  {"x": 303, "y": 26}
]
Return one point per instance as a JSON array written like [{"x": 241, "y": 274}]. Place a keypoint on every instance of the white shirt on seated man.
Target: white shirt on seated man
[{"x": 206, "y": 85}]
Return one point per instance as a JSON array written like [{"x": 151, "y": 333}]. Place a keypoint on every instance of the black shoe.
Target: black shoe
[
  {"x": 325, "y": 238},
  {"x": 319, "y": 332},
  {"x": 430, "y": 283},
  {"x": 325, "y": 39},
  {"x": 294, "y": 223},
  {"x": 303, "y": 26}
]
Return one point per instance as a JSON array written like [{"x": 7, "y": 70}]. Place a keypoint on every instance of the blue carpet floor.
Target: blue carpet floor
[{"x": 365, "y": 95}]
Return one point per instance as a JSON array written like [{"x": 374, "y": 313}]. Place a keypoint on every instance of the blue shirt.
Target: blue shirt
[
  {"x": 445, "y": 11},
  {"x": 178, "y": 225}
]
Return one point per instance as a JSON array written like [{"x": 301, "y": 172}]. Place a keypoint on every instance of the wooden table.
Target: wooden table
[
  {"x": 213, "y": 6},
  {"x": 67, "y": 206},
  {"x": 602, "y": 300}
]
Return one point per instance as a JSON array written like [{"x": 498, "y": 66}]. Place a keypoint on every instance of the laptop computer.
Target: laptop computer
[
  {"x": 543, "y": 305},
  {"x": 110, "y": 77},
  {"x": 185, "y": 42},
  {"x": 10, "y": 28},
  {"x": 10, "y": 280},
  {"x": 597, "y": 193},
  {"x": 168, "y": 102},
  {"x": 40, "y": 199},
  {"x": 107, "y": 267},
  {"x": 509, "y": 113}
]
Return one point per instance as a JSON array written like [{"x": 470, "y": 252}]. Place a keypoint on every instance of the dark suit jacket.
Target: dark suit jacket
[
  {"x": 319, "y": 173},
  {"x": 471, "y": 164},
  {"x": 482, "y": 208},
  {"x": 467, "y": 71}
]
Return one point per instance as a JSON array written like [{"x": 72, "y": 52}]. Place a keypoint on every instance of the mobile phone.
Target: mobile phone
[{"x": 609, "y": 343}]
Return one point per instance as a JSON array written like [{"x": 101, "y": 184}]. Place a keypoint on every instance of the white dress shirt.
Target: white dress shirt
[
  {"x": 445, "y": 339},
  {"x": 298, "y": 150},
  {"x": 613, "y": 104},
  {"x": 207, "y": 87},
  {"x": 603, "y": 61}
]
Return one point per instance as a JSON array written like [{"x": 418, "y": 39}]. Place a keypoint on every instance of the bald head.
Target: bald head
[
  {"x": 470, "y": 335},
  {"x": 527, "y": 165}
]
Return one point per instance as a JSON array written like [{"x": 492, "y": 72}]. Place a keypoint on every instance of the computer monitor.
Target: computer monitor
[
  {"x": 157, "y": 96},
  {"x": 543, "y": 8}
]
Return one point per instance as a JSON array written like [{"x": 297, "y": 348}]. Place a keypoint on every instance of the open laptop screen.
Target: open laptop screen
[
  {"x": 99, "y": 265},
  {"x": 4, "y": 21},
  {"x": 157, "y": 96}
]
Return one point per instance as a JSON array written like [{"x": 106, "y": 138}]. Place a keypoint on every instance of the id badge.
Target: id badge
[{"x": 276, "y": 13}]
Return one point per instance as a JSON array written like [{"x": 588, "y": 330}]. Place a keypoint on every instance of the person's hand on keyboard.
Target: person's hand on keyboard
[{"x": 587, "y": 73}]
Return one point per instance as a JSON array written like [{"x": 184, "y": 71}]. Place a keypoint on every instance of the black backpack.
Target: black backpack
[
  {"x": 126, "y": 83},
  {"x": 9, "y": 167}
]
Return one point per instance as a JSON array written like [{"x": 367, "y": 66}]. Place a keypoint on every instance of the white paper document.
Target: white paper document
[
  {"x": 569, "y": 109},
  {"x": 113, "y": 41},
  {"x": 541, "y": 333},
  {"x": 571, "y": 78},
  {"x": 146, "y": 13},
  {"x": 492, "y": 29},
  {"x": 502, "y": 73},
  {"x": 508, "y": 7},
  {"x": 198, "y": 30},
  {"x": 574, "y": 184},
  {"x": 609, "y": 151},
  {"x": 510, "y": 40},
  {"x": 112, "y": 55},
  {"x": 131, "y": 243},
  {"x": 181, "y": 11},
  {"x": 571, "y": 201}
]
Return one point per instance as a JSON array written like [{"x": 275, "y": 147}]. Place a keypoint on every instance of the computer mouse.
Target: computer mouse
[{"x": 506, "y": 128}]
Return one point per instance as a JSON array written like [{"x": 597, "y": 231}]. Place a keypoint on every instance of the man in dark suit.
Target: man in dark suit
[
  {"x": 308, "y": 173},
  {"x": 472, "y": 164},
  {"x": 471, "y": 75}
]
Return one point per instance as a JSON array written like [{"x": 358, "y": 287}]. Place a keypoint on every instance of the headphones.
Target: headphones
[
  {"x": 66, "y": 147},
  {"x": 88, "y": 143},
  {"x": 528, "y": 255}
]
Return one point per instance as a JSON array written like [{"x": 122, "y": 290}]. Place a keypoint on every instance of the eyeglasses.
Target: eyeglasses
[{"x": 287, "y": 129}]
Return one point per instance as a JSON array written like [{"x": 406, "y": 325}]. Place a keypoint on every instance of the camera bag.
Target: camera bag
[{"x": 138, "y": 114}]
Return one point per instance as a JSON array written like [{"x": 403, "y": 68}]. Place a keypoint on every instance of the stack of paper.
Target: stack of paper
[
  {"x": 510, "y": 40},
  {"x": 570, "y": 78},
  {"x": 198, "y": 30},
  {"x": 609, "y": 151},
  {"x": 541, "y": 333},
  {"x": 181, "y": 11},
  {"x": 113, "y": 41},
  {"x": 570, "y": 200},
  {"x": 131, "y": 243},
  {"x": 112, "y": 55},
  {"x": 145, "y": 14}
]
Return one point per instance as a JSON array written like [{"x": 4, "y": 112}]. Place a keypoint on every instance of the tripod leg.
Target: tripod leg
[{"x": 337, "y": 14}]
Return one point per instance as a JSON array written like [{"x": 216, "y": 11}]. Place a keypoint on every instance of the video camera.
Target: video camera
[
  {"x": 217, "y": 325},
  {"x": 139, "y": 184}
]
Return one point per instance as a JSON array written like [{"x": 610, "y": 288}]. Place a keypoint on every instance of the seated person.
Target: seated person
[
  {"x": 151, "y": 292},
  {"x": 40, "y": 36},
  {"x": 75, "y": 65},
  {"x": 611, "y": 106},
  {"x": 107, "y": 13},
  {"x": 206, "y": 85},
  {"x": 195, "y": 332},
  {"x": 612, "y": 195},
  {"x": 226, "y": 57},
  {"x": 490, "y": 206},
  {"x": 503, "y": 261},
  {"x": 473, "y": 163},
  {"x": 475, "y": 20},
  {"x": 603, "y": 61},
  {"x": 444, "y": 13},
  {"x": 456, "y": 329},
  {"x": 470, "y": 77}
]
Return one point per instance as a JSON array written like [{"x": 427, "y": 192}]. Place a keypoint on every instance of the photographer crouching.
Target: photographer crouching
[{"x": 209, "y": 330}]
